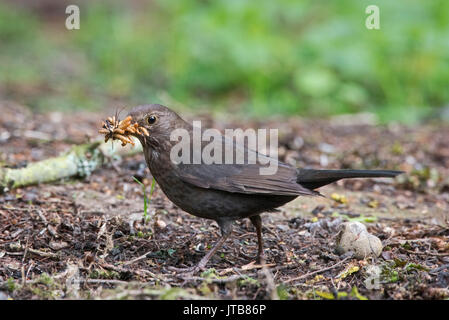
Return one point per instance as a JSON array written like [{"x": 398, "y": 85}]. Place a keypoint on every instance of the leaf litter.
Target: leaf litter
[{"x": 86, "y": 239}]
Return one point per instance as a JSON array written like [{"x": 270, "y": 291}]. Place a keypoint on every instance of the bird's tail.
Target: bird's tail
[{"x": 312, "y": 179}]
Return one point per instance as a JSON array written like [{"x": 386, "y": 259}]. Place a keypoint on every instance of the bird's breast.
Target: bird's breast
[{"x": 204, "y": 202}]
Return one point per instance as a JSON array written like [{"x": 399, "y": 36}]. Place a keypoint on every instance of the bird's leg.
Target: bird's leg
[
  {"x": 257, "y": 222},
  {"x": 226, "y": 228}
]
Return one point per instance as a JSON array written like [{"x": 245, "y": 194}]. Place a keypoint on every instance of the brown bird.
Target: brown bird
[{"x": 225, "y": 192}]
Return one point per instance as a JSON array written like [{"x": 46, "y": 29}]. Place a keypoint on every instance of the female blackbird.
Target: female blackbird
[{"x": 225, "y": 192}]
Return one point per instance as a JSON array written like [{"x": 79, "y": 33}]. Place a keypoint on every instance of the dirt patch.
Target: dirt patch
[{"x": 86, "y": 238}]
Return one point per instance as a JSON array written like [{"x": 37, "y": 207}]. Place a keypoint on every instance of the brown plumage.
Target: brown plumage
[{"x": 225, "y": 192}]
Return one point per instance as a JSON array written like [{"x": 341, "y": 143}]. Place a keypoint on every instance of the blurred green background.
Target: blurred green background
[{"x": 260, "y": 58}]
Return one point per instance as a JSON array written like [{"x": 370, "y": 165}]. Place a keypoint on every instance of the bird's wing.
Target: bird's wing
[{"x": 242, "y": 178}]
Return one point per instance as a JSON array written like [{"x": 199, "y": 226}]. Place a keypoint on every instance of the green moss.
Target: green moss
[
  {"x": 248, "y": 281},
  {"x": 11, "y": 285},
  {"x": 211, "y": 272},
  {"x": 282, "y": 292},
  {"x": 416, "y": 267},
  {"x": 44, "y": 278},
  {"x": 104, "y": 274},
  {"x": 355, "y": 293}
]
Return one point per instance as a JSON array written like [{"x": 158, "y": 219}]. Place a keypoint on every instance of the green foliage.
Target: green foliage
[
  {"x": 248, "y": 281},
  {"x": 289, "y": 56},
  {"x": 209, "y": 273},
  {"x": 421, "y": 179},
  {"x": 46, "y": 279},
  {"x": 104, "y": 274},
  {"x": 354, "y": 294},
  {"x": 11, "y": 285},
  {"x": 397, "y": 270},
  {"x": 146, "y": 199},
  {"x": 282, "y": 292}
]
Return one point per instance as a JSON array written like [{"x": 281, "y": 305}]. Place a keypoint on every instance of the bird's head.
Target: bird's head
[{"x": 159, "y": 121}]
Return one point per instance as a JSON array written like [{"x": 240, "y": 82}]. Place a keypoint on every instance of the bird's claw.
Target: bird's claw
[{"x": 260, "y": 260}]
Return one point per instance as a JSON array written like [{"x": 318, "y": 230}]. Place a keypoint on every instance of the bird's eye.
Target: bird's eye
[{"x": 151, "y": 119}]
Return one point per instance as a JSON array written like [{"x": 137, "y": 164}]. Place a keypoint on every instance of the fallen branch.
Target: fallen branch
[
  {"x": 104, "y": 281},
  {"x": 79, "y": 161},
  {"x": 137, "y": 272},
  {"x": 137, "y": 259},
  {"x": 34, "y": 251},
  {"x": 317, "y": 271}
]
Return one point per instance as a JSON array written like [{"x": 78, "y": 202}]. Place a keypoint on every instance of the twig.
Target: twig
[
  {"x": 317, "y": 271},
  {"x": 23, "y": 263},
  {"x": 138, "y": 272},
  {"x": 151, "y": 292},
  {"x": 38, "y": 252},
  {"x": 442, "y": 267},
  {"x": 137, "y": 259},
  {"x": 14, "y": 253},
  {"x": 153, "y": 275},
  {"x": 425, "y": 253},
  {"x": 43, "y": 254},
  {"x": 252, "y": 265},
  {"x": 105, "y": 281},
  {"x": 41, "y": 215},
  {"x": 393, "y": 241},
  {"x": 271, "y": 286},
  {"x": 217, "y": 280}
]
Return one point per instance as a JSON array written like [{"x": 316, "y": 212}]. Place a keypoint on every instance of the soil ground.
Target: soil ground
[{"x": 85, "y": 238}]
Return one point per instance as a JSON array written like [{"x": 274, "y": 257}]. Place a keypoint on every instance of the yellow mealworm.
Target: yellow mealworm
[
  {"x": 144, "y": 130},
  {"x": 125, "y": 122},
  {"x": 104, "y": 131},
  {"x": 130, "y": 130},
  {"x": 123, "y": 139},
  {"x": 118, "y": 130}
]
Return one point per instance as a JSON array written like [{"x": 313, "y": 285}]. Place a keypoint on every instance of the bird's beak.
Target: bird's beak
[{"x": 136, "y": 129}]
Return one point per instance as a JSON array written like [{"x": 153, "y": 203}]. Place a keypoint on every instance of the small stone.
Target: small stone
[
  {"x": 29, "y": 197},
  {"x": 283, "y": 227},
  {"x": 161, "y": 224},
  {"x": 115, "y": 251},
  {"x": 326, "y": 148},
  {"x": 15, "y": 246},
  {"x": 58, "y": 245},
  {"x": 353, "y": 236},
  {"x": 117, "y": 234}
]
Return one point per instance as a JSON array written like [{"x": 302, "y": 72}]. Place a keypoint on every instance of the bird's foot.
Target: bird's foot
[{"x": 260, "y": 259}]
